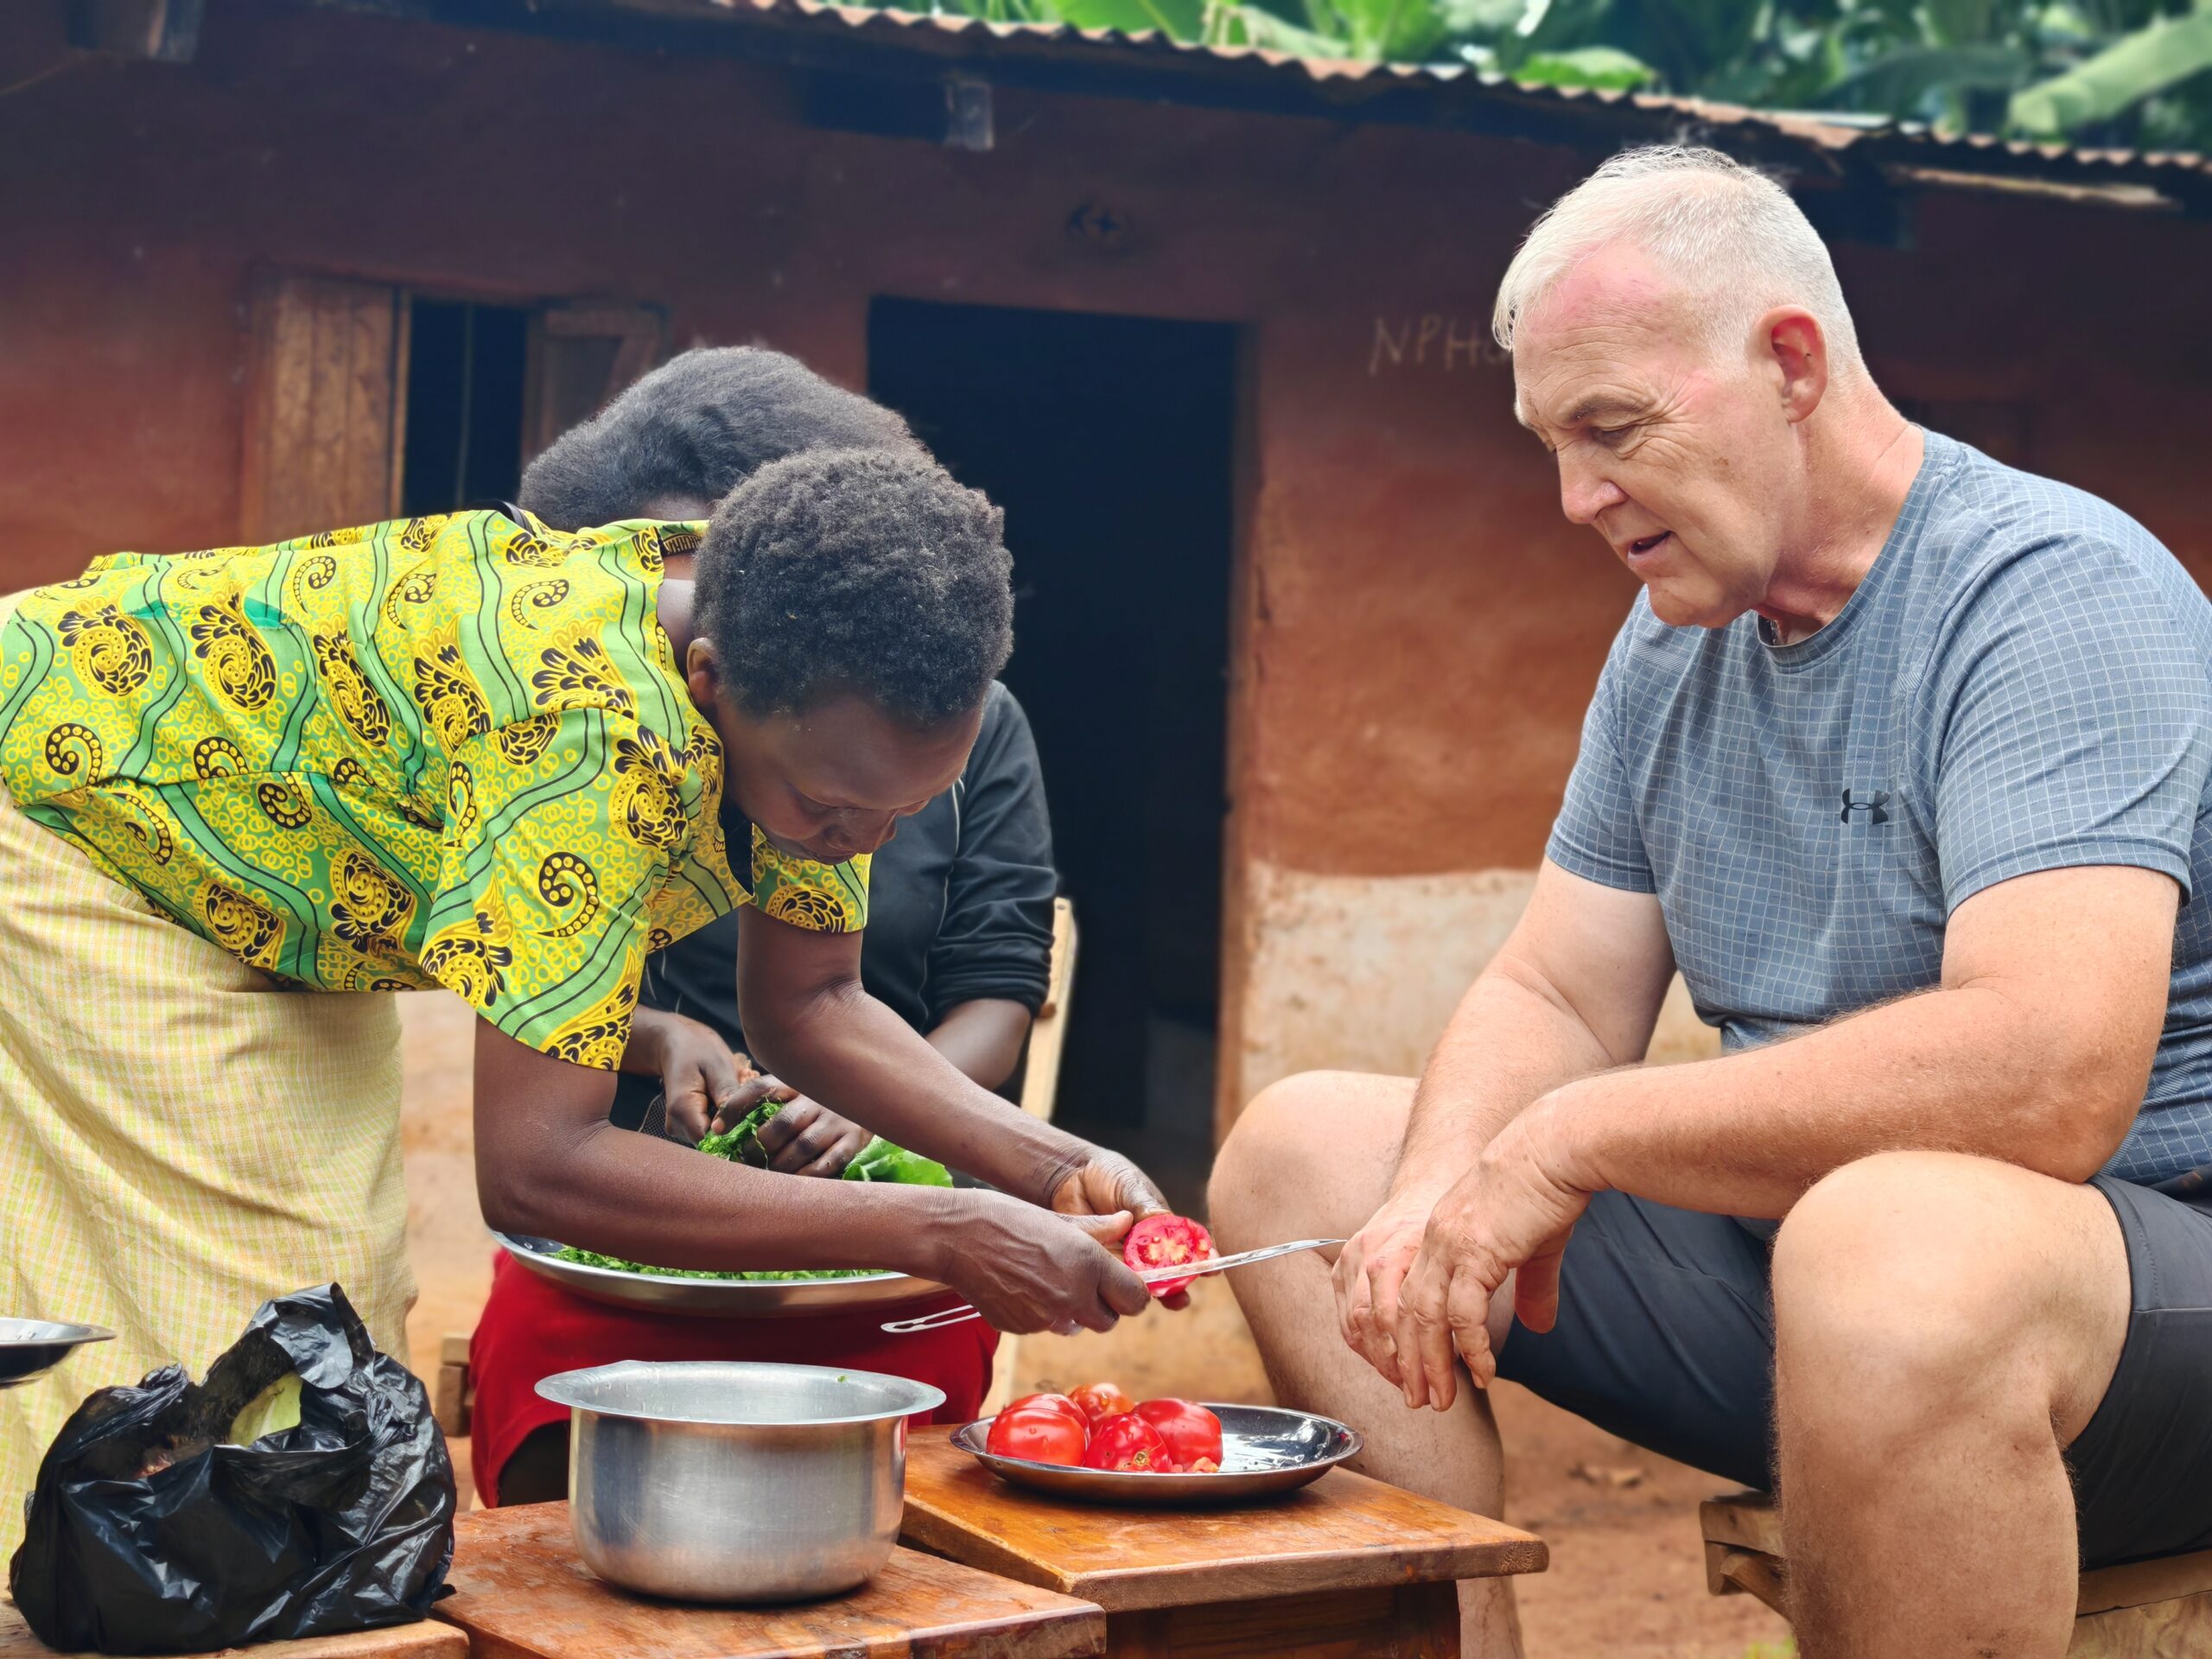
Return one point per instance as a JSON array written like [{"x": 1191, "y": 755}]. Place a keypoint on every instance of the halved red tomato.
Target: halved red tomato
[
  {"x": 1127, "y": 1442},
  {"x": 1166, "y": 1242},
  {"x": 1101, "y": 1400},
  {"x": 1192, "y": 1433},
  {"x": 1037, "y": 1435}
]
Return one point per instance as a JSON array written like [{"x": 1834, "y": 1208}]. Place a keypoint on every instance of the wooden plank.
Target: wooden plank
[
  {"x": 1746, "y": 1520},
  {"x": 1750, "y": 1522},
  {"x": 1344, "y": 1532},
  {"x": 2169, "y": 1630},
  {"x": 2140, "y": 1583},
  {"x": 1040, "y": 1088},
  {"x": 1413, "y": 1621},
  {"x": 1041, "y": 1075},
  {"x": 402, "y": 344},
  {"x": 580, "y": 354},
  {"x": 428, "y": 1639},
  {"x": 520, "y": 1593},
  {"x": 449, "y": 1401},
  {"x": 321, "y": 428},
  {"x": 1732, "y": 1572}
]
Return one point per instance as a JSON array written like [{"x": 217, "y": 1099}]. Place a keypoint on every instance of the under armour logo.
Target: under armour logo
[{"x": 1875, "y": 806}]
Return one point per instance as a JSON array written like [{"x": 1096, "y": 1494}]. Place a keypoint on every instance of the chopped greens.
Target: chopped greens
[
  {"x": 593, "y": 1259},
  {"x": 878, "y": 1160}
]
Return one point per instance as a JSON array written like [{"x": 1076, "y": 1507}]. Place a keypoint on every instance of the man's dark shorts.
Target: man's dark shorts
[{"x": 1666, "y": 1337}]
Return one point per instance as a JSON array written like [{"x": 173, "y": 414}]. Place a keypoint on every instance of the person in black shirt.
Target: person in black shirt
[{"x": 958, "y": 942}]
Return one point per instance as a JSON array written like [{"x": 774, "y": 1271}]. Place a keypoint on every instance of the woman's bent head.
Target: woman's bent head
[{"x": 852, "y": 609}]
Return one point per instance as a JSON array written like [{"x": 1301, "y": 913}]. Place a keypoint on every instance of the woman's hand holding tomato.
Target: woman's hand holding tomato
[
  {"x": 1104, "y": 1183},
  {"x": 1166, "y": 1242}
]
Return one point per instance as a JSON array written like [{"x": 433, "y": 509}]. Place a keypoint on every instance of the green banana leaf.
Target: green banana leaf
[
  {"x": 1179, "y": 19},
  {"x": 2148, "y": 62},
  {"x": 1604, "y": 67}
]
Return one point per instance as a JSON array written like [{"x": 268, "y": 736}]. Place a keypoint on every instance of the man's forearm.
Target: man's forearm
[
  {"x": 849, "y": 1048},
  {"x": 1962, "y": 1070},
  {"x": 1508, "y": 1045}
]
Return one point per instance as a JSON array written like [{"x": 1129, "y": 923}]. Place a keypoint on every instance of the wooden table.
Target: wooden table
[
  {"x": 1345, "y": 1569},
  {"x": 426, "y": 1640},
  {"x": 522, "y": 1593}
]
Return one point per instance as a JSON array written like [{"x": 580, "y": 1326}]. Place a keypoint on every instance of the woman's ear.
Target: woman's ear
[{"x": 702, "y": 672}]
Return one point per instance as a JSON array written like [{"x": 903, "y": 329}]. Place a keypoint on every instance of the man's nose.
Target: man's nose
[{"x": 1585, "y": 492}]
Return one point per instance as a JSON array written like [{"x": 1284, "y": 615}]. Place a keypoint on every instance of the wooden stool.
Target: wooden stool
[
  {"x": 1348, "y": 1567},
  {"x": 426, "y": 1640},
  {"x": 520, "y": 1593},
  {"x": 2146, "y": 1610}
]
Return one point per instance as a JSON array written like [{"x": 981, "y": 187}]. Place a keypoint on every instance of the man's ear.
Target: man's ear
[{"x": 1801, "y": 353}]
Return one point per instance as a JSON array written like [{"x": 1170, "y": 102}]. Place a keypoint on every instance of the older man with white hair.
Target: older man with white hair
[{"x": 1902, "y": 759}]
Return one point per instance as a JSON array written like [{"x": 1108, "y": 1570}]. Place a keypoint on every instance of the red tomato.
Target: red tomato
[
  {"x": 1127, "y": 1442},
  {"x": 1166, "y": 1242},
  {"x": 1036, "y": 1436},
  {"x": 1058, "y": 1403},
  {"x": 1101, "y": 1400},
  {"x": 1192, "y": 1433}
]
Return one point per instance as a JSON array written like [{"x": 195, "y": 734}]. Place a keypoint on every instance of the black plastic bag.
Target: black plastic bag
[{"x": 149, "y": 1534}]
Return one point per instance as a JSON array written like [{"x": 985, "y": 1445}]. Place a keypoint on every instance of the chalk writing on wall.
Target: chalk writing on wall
[{"x": 1433, "y": 341}]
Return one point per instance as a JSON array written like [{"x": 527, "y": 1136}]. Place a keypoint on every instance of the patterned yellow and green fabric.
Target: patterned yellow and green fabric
[{"x": 450, "y": 751}]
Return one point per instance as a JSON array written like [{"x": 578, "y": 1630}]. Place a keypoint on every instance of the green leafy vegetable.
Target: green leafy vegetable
[
  {"x": 275, "y": 1409},
  {"x": 593, "y": 1259},
  {"x": 740, "y": 1142},
  {"x": 878, "y": 1160}
]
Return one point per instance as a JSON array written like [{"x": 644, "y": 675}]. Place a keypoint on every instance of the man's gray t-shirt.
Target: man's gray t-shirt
[{"x": 2021, "y": 683}]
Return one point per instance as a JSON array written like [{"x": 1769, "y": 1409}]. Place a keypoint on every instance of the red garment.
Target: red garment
[{"x": 530, "y": 1330}]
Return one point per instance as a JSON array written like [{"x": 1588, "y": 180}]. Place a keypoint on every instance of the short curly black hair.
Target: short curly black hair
[
  {"x": 700, "y": 424},
  {"x": 857, "y": 570}
]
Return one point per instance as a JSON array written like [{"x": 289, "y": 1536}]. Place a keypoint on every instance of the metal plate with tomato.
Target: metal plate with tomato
[{"x": 1265, "y": 1452}]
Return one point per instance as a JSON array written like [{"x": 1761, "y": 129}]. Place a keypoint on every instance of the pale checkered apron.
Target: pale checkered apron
[{"x": 179, "y": 1140}]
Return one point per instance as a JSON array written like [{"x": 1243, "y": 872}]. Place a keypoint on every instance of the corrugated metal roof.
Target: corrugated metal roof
[{"x": 1154, "y": 65}]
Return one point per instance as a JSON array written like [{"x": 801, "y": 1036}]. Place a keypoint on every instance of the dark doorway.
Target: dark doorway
[
  {"x": 1109, "y": 441},
  {"x": 465, "y": 372}
]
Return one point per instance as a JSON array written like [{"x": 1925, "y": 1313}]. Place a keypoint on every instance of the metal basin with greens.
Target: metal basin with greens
[
  {"x": 718, "y": 1298},
  {"x": 730, "y": 1295}
]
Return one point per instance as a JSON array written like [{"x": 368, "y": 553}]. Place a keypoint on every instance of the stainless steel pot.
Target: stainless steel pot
[{"x": 716, "y": 1480}]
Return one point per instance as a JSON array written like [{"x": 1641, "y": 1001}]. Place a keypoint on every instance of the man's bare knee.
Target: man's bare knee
[
  {"x": 1307, "y": 1153},
  {"x": 1909, "y": 1285}
]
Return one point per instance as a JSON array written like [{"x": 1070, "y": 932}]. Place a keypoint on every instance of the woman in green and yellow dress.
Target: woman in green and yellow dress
[{"x": 476, "y": 752}]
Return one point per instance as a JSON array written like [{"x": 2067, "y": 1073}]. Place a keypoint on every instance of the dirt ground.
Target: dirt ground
[{"x": 1627, "y": 1578}]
